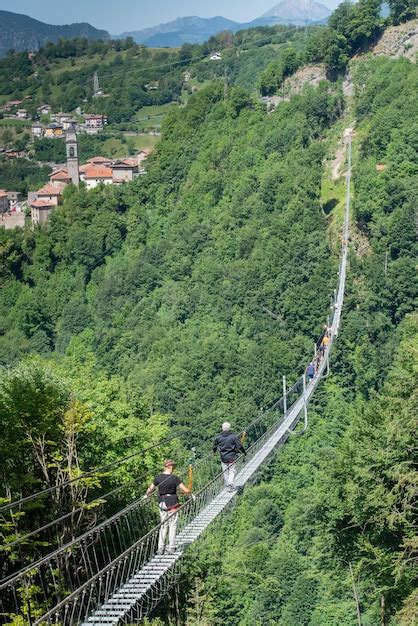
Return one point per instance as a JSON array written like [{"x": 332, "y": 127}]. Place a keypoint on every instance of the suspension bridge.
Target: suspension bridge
[{"x": 111, "y": 574}]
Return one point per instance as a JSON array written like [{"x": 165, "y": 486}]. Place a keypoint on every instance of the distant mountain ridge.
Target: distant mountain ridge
[
  {"x": 21, "y": 32},
  {"x": 195, "y": 29},
  {"x": 299, "y": 11},
  {"x": 191, "y": 29}
]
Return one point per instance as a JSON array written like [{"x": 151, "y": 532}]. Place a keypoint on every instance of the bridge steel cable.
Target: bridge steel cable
[
  {"x": 102, "y": 499},
  {"x": 13, "y": 570},
  {"x": 112, "y": 574},
  {"x": 101, "y": 543}
]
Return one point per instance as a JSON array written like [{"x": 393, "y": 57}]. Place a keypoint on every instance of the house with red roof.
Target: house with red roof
[
  {"x": 95, "y": 175},
  {"x": 60, "y": 177}
]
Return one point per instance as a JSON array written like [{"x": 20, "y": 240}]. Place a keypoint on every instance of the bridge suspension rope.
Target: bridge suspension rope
[{"x": 111, "y": 573}]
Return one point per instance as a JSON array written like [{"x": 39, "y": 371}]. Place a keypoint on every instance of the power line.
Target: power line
[
  {"x": 199, "y": 58},
  {"x": 103, "y": 468}
]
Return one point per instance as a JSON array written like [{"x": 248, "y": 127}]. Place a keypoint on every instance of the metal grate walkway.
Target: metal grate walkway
[
  {"x": 136, "y": 591},
  {"x": 132, "y": 597}
]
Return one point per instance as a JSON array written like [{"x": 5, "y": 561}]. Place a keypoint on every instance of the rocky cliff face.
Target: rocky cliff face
[{"x": 20, "y": 32}]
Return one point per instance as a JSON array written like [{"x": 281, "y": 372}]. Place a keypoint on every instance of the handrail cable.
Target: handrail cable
[
  {"x": 79, "y": 539},
  {"x": 103, "y": 468},
  {"x": 115, "y": 516}
]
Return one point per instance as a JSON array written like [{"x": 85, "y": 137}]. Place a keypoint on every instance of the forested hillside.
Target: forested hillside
[
  {"x": 166, "y": 281},
  {"x": 166, "y": 305},
  {"x": 20, "y": 32},
  {"x": 337, "y": 507}
]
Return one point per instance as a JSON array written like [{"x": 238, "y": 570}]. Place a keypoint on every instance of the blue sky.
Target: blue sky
[{"x": 117, "y": 16}]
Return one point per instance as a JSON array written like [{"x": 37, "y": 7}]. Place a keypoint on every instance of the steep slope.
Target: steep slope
[
  {"x": 337, "y": 509},
  {"x": 20, "y": 32}
]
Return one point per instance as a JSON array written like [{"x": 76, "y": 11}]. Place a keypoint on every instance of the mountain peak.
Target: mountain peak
[{"x": 299, "y": 11}]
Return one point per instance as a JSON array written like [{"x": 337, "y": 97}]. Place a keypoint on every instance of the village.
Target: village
[
  {"x": 43, "y": 123},
  {"x": 96, "y": 171}
]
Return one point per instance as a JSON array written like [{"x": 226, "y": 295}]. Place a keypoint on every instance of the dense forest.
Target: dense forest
[
  {"x": 337, "y": 508},
  {"x": 180, "y": 299}
]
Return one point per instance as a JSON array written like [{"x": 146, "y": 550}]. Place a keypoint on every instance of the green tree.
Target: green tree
[{"x": 402, "y": 10}]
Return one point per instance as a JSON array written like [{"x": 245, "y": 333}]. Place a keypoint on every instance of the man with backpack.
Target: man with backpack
[
  {"x": 168, "y": 503},
  {"x": 229, "y": 446}
]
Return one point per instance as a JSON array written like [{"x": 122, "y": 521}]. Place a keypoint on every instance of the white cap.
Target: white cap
[{"x": 226, "y": 426}]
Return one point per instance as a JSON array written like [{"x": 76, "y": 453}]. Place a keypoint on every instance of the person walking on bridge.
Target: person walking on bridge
[
  {"x": 310, "y": 371},
  {"x": 229, "y": 446},
  {"x": 324, "y": 344},
  {"x": 167, "y": 484}
]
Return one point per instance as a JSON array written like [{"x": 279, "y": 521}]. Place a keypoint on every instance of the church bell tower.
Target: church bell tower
[{"x": 72, "y": 153}]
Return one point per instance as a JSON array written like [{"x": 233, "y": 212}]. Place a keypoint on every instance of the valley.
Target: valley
[{"x": 174, "y": 225}]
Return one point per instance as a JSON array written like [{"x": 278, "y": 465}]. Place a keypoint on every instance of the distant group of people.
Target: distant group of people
[
  {"x": 313, "y": 366},
  {"x": 167, "y": 484}
]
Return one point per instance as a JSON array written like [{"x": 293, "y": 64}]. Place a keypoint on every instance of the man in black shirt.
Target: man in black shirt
[
  {"x": 167, "y": 484},
  {"x": 229, "y": 447}
]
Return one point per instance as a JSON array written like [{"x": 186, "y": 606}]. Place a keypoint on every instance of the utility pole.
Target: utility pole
[
  {"x": 225, "y": 84},
  {"x": 305, "y": 406},
  {"x": 386, "y": 262},
  {"x": 355, "y": 596},
  {"x": 284, "y": 396}
]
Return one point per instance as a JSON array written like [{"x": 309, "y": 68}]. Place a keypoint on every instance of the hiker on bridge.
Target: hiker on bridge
[
  {"x": 310, "y": 371},
  {"x": 324, "y": 344},
  {"x": 229, "y": 446},
  {"x": 167, "y": 484}
]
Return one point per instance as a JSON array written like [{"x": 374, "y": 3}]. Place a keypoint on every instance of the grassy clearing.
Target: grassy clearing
[
  {"x": 116, "y": 147},
  {"x": 17, "y": 125},
  {"x": 144, "y": 141},
  {"x": 153, "y": 111},
  {"x": 333, "y": 191},
  {"x": 333, "y": 203},
  {"x": 151, "y": 117}
]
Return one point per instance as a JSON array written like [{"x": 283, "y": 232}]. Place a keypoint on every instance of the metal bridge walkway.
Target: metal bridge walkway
[
  {"x": 111, "y": 574},
  {"x": 136, "y": 591},
  {"x": 126, "y": 602}
]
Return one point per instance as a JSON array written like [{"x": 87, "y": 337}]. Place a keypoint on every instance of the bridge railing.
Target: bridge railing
[
  {"x": 94, "y": 558},
  {"x": 84, "y": 573}
]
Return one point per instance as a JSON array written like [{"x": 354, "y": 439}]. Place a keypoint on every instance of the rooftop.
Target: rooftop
[
  {"x": 42, "y": 204},
  {"x": 98, "y": 171},
  {"x": 99, "y": 159},
  {"x": 49, "y": 190},
  {"x": 125, "y": 163},
  {"x": 60, "y": 175}
]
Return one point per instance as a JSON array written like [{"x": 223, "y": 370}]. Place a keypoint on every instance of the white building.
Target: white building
[
  {"x": 37, "y": 130},
  {"x": 95, "y": 122},
  {"x": 44, "y": 109}
]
